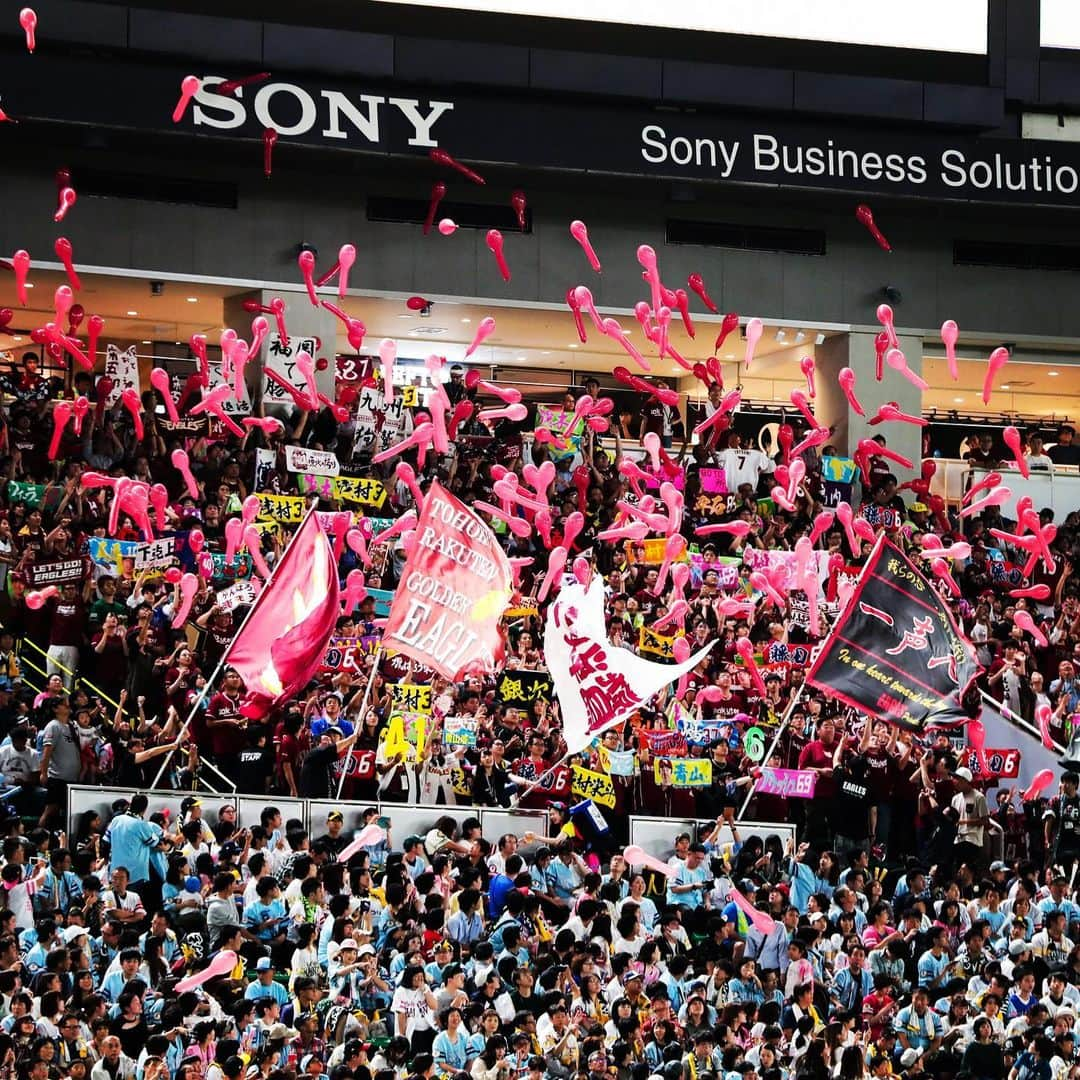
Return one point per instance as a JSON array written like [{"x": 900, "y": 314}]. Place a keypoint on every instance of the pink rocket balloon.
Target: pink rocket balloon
[
  {"x": 253, "y": 542},
  {"x": 729, "y": 324},
  {"x": 636, "y": 856},
  {"x": 1012, "y": 441},
  {"x": 646, "y": 257},
  {"x": 494, "y": 241},
  {"x": 346, "y": 258},
  {"x": 306, "y": 261},
  {"x": 761, "y": 583},
  {"x": 189, "y": 589},
  {"x": 60, "y": 417},
  {"x": 556, "y": 566},
  {"x": 780, "y": 497},
  {"x": 988, "y": 481},
  {"x": 357, "y": 542},
  {"x": 998, "y": 359},
  {"x": 1041, "y": 781},
  {"x": 196, "y": 540},
  {"x": 159, "y": 380},
  {"x": 277, "y": 309},
  {"x": 754, "y": 329},
  {"x": 737, "y": 529},
  {"x": 448, "y": 226},
  {"x": 438, "y": 193},
  {"x": 20, "y": 265},
  {"x": 37, "y": 599},
  {"x": 846, "y": 379},
  {"x": 798, "y": 399},
  {"x": 407, "y": 475},
  {"x": 575, "y": 310},
  {"x": 387, "y": 356},
  {"x": 366, "y": 837},
  {"x": 583, "y": 298},
  {"x": 68, "y": 198},
  {"x": 131, "y": 402},
  {"x": 79, "y": 410},
  {"x": 806, "y": 366},
  {"x": 898, "y": 362},
  {"x": 651, "y": 442},
  {"x": 611, "y": 328},
  {"x": 180, "y": 463},
  {"x": 420, "y": 438},
  {"x": 697, "y": 283},
  {"x": 1033, "y": 592},
  {"x": 63, "y": 250},
  {"x": 519, "y": 204},
  {"x": 516, "y": 413},
  {"x": 355, "y": 591},
  {"x": 582, "y": 571},
  {"x": 885, "y": 317},
  {"x": 950, "y": 335},
  {"x": 485, "y": 329},
  {"x": 940, "y": 569},
  {"x": 976, "y": 734},
  {"x": 580, "y": 233},
  {"x": 865, "y": 217},
  {"x": 441, "y": 157},
  {"x": 674, "y": 547},
  {"x": 676, "y": 614},
  {"x": 1023, "y": 619},
  {"x": 224, "y": 962},
  {"x": 269, "y": 138},
  {"x": 998, "y": 496},
  {"x": 1043, "y": 714},
  {"x": 159, "y": 499},
  {"x": 572, "y": 527},
  {"x": 189, "y": 87},
  {"x": 845, "y": 516},
  {"x": 890, "y": 412},
  {"x": 682, "y": 302},
  {"x": 745, "y": 648},
  {"x": 822, "y": 522}
]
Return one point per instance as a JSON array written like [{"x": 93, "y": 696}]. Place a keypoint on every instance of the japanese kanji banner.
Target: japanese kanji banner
[
  {"x": 593, "y": 785},
  {"x": 789, "y": 783},
  {"x": 521, "y": 688},
  {"x": 895, "y": 652},
  {"x": 682, "y": 772},
  {"x": 597, "y": 683},
  {"x": 454, "y": 588}
]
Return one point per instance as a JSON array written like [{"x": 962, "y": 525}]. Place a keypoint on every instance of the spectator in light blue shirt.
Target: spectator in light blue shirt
[
  {"x": 934, "y": 963},
  {"x": 267, "y": 916},
  {"x": 265, "y": 984},
  {"x": 133, "y": 840}
]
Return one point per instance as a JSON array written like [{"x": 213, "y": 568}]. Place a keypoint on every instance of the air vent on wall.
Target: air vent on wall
[
  {"x": 465, "y": 215},
  {"x": 1016, "y": 256},
  {"x": 746, "y": 237},
  {"x": 178, "y": 190}
]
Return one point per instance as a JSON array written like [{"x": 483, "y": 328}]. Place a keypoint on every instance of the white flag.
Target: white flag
[{"x": 597, "y": 683}]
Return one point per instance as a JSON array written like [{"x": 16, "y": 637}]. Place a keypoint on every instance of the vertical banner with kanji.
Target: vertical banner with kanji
[
  {"x": 122, "y": 366},
  {"x": 895, "y": 652},
  {"x": 281, "y": 359},
  {"x": 597, "y": 683}
]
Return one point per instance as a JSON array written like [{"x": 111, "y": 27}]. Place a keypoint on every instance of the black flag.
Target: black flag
[{"x": 895, "y": 652}]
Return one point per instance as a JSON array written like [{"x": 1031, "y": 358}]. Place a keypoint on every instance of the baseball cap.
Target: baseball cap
[
  {"x": 366, "y": 950},
  {"x": 188, "y": 803},
  {"x": 73, "y": 932},
  {"x": 281, "y": 1031},
  {"x": 1018, "y": 947},
  {"x": 264, "y": 964},
  {"x": 909, "y": 1057},
  {"x": 964, "y": 773},
  {"x": 335, "y": 815},
  {"x": 999, "y": 865}
]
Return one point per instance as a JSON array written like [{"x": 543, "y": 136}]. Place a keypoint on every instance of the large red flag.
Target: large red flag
[
  {"x": 455, "y": 586},
  {"x": 280, "y": 646}
]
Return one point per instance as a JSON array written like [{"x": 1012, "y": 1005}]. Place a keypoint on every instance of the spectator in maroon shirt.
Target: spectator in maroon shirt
[{"x": 67, "y": 633}]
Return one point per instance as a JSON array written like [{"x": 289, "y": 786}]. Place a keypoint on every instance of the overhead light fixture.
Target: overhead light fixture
[
  {"x": 29, "y": 285},
  {"x": 781, "y": 334},
  {"x": 572, "y": 345},
  {"x": 16, "y": 338},
  {"x": 800, "y": 337},
  {"x": 1004, "y": 386},
  {"x": 522, "y": 359},
  {"x": 1053, "y": 373},
  {"x": 466, "y": 320},
  {"x": 958, "y": 400},
  {"x": 819, "y": 340},
  {"x": 147, "y": 342},
  {"x": 133, "y": 314},
  {"x": 192, "y": 299},
  {"x": 545, "y": 352}
]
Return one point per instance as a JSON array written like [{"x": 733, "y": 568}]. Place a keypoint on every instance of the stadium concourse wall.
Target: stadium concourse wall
[{"x": 655, "y": 835}]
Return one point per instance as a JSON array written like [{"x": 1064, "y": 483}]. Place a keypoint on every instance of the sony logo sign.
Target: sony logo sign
[{"x": 341, "y": 115}]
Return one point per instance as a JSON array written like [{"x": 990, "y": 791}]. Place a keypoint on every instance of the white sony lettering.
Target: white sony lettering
[
  {"x": 729, "y": 154},
  {"x": 366, "y": 123},
  {"x": 652, "y": 135},
  {"x": 266, "y": 95},
  {"x": 422, "y": 125},
  {"x": 206, "y": 106}
]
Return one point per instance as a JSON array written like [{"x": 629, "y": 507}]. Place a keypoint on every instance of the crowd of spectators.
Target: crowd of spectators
[{"x": 900, "y": 943}]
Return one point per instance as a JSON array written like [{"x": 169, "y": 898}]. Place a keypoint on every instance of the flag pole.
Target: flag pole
[
  {"x": 360, "y": 717},
  {"x": 786, "y": 721},
  {"x": 516, "y": 801},
  {"x": 221, "y": 663}
]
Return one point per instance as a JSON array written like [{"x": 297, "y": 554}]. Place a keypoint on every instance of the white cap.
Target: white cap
[{"x": 963, "y": 773}]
